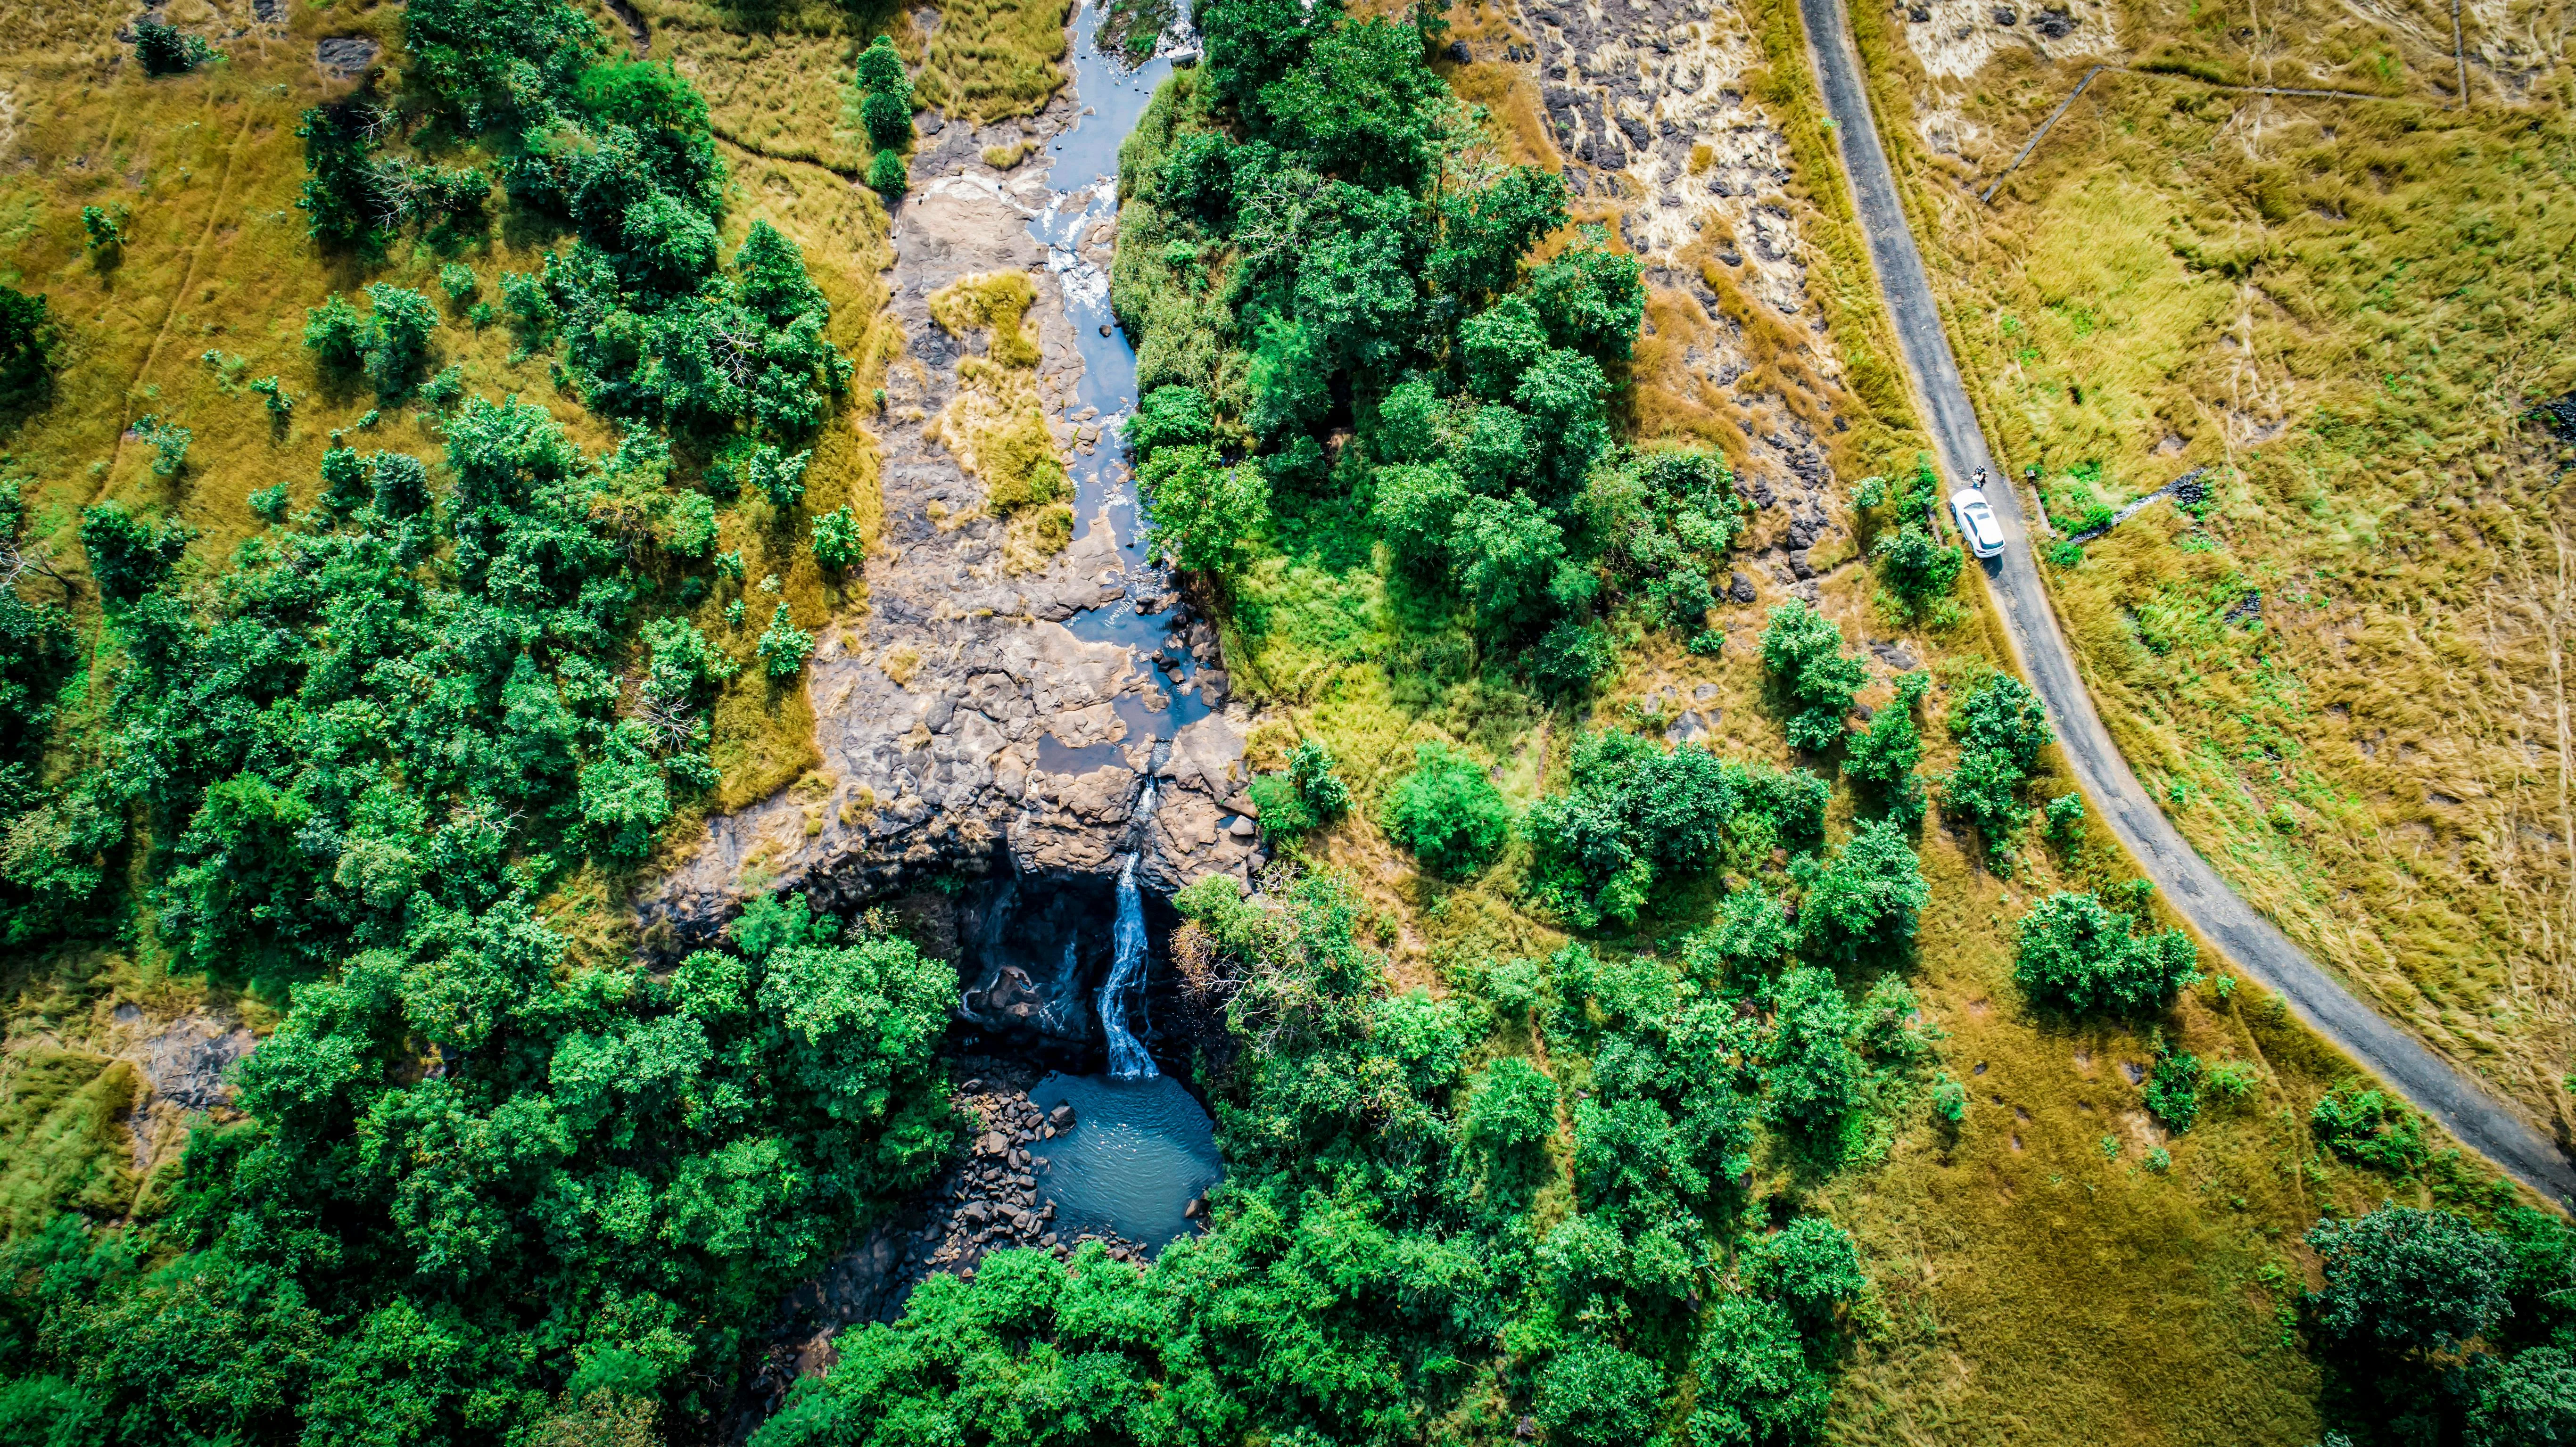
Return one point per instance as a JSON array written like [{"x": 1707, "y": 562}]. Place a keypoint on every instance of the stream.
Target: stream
[{"x": 1141, "y": 1148}]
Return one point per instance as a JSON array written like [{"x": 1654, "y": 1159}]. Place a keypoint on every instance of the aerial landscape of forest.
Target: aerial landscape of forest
[{"x": 1302, "y": 723}]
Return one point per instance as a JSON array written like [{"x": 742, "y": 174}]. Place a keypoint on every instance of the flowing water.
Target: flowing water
[
  {"x": 1126, "y": 981},
  {"x": 1083, "y": 172},
  {"x": 1139, "y": 1152}
]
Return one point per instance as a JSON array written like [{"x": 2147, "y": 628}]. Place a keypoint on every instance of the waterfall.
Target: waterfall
[{"x": 1127, "y": 1059}]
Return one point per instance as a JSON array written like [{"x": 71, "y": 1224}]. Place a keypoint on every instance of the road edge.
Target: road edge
[{"x": 2248, "y": 940}]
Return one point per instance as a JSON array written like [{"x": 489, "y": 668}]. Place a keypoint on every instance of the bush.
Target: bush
[
  {"x": 1811, "y": 1077},
  {"x": 1755, "y": 1386},
  {"x": 26, "y": 350},
  {"x": 1595, "y": 1395},
  {"x": 2065, "y": 815},
  {"x": 1883, "y": 757},
  {"x": 1810, "y": 1268},
  {"x": 2078, "y": 954},
  {"x": 784, "y": 646},
  {"x": 2407, "y": 1280},
  {"x": 1804, "y": 652},
  {"x": 1448, "y": 813},
  {"x": 1203, "y": 513},
  {"x": 837, "y": 544},
  {"x": 169, "y": 443},
  {"x": 126, "y": 557},
  {"x": 2000, "y": 729},
  {"x": 1867, "y": 901},
  {"x": 1636, "y": 812},
  {"x": 2370, "y": 1127},
  {"x": 2172, "y": 1090},
  {"x": 167, "y": 50},
  {"x": 1306, "y": 795},
  {"x": 888, "y": 176},
  {"x": 1916, "y": 566},
  {"x": 106, "y": 228}
]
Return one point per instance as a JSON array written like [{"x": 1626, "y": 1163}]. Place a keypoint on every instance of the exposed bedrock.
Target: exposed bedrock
[{"x": 964, "y": 728}]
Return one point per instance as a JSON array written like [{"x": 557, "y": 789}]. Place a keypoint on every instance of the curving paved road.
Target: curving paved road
[{"x": 2249, "y": 941}]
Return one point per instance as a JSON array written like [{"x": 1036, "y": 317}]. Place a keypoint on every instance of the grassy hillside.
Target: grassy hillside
[{"x": 2341, "y": 671}]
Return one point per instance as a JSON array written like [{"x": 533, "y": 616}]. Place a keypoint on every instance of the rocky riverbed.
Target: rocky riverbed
[
  {"x": 979, "y": 715},
  {"x": 988, "y": 1201}
]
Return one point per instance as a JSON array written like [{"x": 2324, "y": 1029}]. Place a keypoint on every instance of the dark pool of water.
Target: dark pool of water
[{"x": 1139, "y": 1152}]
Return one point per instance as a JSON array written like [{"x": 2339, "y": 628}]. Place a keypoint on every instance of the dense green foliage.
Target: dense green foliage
[
  {"x": 1305, "y": 795},
  {"x": 2000, "y": 728},
  {"x": 1448, "y": 813},
  {"x": 1637, "y": 814},
  {"x": 599, "y": 1181},
  {"x": 1882, "y": 758},
  {"x": 26, "y": 350},
  {"x": 1374, "y": 1265},
  {"x": 164, "y": 49},
  {"x": 2434, "y": 1328},
  {"x": 1365, "y": 339},
  {"x": 2078, "y": 954},
  {"x": 480, "y": 1183},
  {"x": 1804, "y": 652},
  {"x": 1915, "y": 564}
]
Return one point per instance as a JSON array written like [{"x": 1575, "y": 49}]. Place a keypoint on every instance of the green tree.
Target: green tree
[
  {"x": 1883, "y": 757},
  {"x": 1804, "y": 651},
  {"x": 1867, "y": 901},
  {"x": 1810, "y": 1267},
  {"x": 2401, "y": 1279},
  {"x": 1811, "y": 1076},
  {"x": 2078, "y": 954},
  {"x": 837, "y": 543},
  {"x": 1755, "y": 1386},
  {"x": 26, "y": 350},
  {"x": 128, "y": 557},
  {"x": 1205, "y": 513},
  {"x": 1595, "y": 1395},
  {"x": 2001, "y": 728},
  {"x": 783, "y": 646},
  {"x": 888, "y": 176},
  {"x": 1448, "y": 813}
]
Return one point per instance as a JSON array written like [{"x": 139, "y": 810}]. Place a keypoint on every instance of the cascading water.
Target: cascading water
[{"x": 1127, "y": 1058}]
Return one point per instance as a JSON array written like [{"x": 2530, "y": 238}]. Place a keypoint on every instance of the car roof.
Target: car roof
[{"x": 1968, "y": 497}]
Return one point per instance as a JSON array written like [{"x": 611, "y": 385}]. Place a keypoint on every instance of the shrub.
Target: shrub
[
  {"x": 888, "y": 176},
  {"x": 1811, "y": 1077},
  {"x": 2065, "y": 815},
  {"x": 1636, "y": 812},
  {"x": 1595, "y": 1395},
  {"x": 2078, "y": 954},
  {"x": 169, "y": 443},
  {"x": 106, "y": 228},
  {"x": 1304, "y": 796},
  {"x": 1810, "y": 1268},
  {"x": 457, "y": 280},
  {"x": 2234, "y": 1081},
  {"x": 1804, "y": 651},
  {"x": 1204, "y": 513},
  {"x": 1884, "y": 756},
  {"x": 1750, "y": 939},
  {"x": 1755, "y": 1386},
  {"x": 2000, "y": 728},
  {"x": 1916, "y": 566},
  {"x": 837, "y": 544},
  {"x": 2370, "y": 1127},
  {"x": 2401, "y": 1279},
  {"x": 167, "y": 50},
  {"x": 2173, "y": 1089},
  {"x": 1867, "y": 901},
  {"x": 1448, "y": 813},
  {"x": 126, "y": 557},
  {"x": 784, "y": 646}
]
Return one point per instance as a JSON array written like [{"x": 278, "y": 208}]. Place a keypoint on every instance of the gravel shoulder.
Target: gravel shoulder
[{"x": 2249, "y": 942}]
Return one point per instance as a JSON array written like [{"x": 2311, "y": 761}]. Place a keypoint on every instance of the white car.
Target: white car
[{"x": 1977, "y": 523}]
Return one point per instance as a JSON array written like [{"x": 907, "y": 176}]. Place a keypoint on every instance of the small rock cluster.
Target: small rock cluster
[{"x": 990, "y": 1203}]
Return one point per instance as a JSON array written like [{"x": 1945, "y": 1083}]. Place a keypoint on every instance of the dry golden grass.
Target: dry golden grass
[
  {"x": 988, "y": 59},
  {"x": 996, "y": 424},
  {"x": 2343, "y": 309}
]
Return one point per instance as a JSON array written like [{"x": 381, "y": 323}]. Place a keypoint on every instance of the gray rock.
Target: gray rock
[{"x": 346, "y": 57}]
